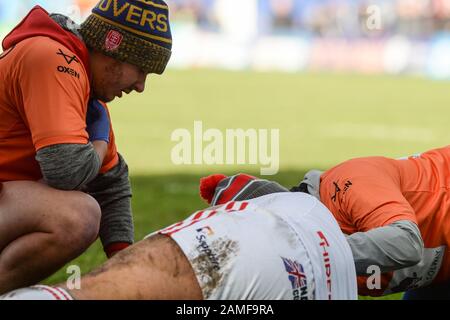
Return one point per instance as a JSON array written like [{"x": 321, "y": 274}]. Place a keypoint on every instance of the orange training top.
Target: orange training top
[
  {"x": 367, "y": 193},
  {"x": 44, "y": 92}
]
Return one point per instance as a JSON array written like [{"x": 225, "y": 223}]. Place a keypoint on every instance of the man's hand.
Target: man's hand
[{"x": 97, "y": 121}]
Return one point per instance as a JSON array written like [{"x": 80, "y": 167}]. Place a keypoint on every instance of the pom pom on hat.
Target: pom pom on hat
[{"x": 208, "y": 186}]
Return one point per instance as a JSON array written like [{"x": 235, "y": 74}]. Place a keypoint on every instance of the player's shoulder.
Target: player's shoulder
[
  {"x": 51, "y": 62},
  {"x": 42, "y": 45},
  {"x": 357, "y": 167},
  {"x": 42, "y": 52},
  {"x": 283, "y": 201}
]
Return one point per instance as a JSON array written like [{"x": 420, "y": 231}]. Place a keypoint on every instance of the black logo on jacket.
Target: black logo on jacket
[
  {"x": 67, "y": 70},
  {"x": 69, "y": 59}
]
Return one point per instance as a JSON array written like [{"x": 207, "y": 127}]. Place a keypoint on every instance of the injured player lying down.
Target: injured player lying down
[{"x": 278, "y": 245}]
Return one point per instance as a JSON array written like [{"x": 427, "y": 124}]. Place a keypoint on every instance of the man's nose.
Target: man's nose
[{"x": 140, "y": 84}]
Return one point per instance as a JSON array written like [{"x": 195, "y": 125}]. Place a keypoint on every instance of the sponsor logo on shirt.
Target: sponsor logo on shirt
[
  {"x": 206, "y": 230},
  {"x": 297, "y": 277},
  {"x": 69, "y": 71},
  {"x": 204, "y": 247},
  {"x": 67, "y": 57},
  {"x": 337, "y": 189},
  {"x": 326, "y": 260}
]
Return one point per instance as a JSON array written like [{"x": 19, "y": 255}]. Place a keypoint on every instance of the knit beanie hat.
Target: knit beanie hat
[
  {"x": 132, "y": 31},
  {"x": 219, "y": 189}
]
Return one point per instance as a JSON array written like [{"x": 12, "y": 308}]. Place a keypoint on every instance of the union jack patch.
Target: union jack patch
[{"x": 296, "y": 273}]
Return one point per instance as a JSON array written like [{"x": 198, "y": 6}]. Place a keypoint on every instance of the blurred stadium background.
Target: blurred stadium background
[{"x": 339, "y": 78}]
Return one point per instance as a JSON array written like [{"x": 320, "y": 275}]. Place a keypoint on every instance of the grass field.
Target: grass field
[{"x": 323, "y": 119}]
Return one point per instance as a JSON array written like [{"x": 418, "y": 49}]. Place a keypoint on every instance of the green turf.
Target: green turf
[{"x": 323, "y": 119}]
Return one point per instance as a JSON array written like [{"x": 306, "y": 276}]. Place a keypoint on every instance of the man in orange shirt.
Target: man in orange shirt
[
  {"x": 396, "y": 215},
  {"x": 62, "y": 180}
]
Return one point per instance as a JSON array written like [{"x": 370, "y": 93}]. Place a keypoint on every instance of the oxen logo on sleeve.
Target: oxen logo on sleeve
[{"x": 69, "y": 58}]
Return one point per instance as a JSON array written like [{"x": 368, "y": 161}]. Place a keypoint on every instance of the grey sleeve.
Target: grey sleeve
[
  {"x": 392, "y": 247},
  {"x": 68, "y": 166},
  {"x": 112, "y": 190}
]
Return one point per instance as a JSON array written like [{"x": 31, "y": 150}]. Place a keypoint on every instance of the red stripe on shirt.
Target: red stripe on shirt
[{"x": 63, "y": 293}]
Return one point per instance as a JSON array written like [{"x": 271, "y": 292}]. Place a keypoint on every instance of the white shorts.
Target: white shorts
[{"x": 250, "y": 250}]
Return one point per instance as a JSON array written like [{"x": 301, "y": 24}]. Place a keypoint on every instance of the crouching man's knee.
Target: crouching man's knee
[{"x": 78, "y": 225}]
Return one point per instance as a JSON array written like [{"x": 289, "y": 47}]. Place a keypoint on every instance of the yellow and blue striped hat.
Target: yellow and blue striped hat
[{"x": 133, "y": 31}]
